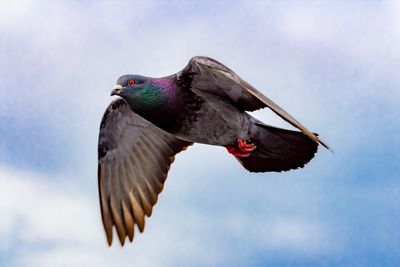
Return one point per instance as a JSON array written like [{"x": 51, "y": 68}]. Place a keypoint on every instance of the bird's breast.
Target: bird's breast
[{"x": 214, "y": 122}]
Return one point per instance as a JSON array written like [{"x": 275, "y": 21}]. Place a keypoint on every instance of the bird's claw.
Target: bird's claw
[{"x": 242, "y": 148}]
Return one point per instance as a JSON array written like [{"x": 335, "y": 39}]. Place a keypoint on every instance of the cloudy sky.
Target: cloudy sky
[{"x": 332, "y": 65}]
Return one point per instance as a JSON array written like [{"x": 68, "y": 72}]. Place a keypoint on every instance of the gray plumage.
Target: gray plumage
[{"x": 159, "y": 117}]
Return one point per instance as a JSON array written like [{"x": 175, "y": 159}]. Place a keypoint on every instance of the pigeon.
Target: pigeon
[{"x": 153, "y": 119}]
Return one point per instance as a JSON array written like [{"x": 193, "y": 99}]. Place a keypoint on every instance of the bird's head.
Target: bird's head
[
  {"x": 143, "y": 94},
  {"x": 128, "y": 85}
]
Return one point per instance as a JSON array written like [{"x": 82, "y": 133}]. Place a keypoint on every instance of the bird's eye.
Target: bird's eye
[{"x": 131, "y": 82}]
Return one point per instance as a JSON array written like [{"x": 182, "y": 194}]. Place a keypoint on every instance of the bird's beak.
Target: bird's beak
[{"x": 117, "y": 88}]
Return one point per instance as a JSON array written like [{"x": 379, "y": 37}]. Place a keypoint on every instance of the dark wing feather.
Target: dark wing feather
[
  {"x": 134, "y": 159},
  {"x": 209, "y": 75}
]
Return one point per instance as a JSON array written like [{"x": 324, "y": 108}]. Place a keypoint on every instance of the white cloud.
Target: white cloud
[
  {"x": 13, "y": 12},
  {"x": 58, "y": 224},
  {"x": 36, "y": 209},
  {"x": 298, "y": 235}
]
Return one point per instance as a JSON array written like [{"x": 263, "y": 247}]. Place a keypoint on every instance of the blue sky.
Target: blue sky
[{"x": 332, "y": 65}]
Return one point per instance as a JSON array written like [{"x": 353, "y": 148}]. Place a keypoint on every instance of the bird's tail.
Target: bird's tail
[{"x": 278, "y": 150}]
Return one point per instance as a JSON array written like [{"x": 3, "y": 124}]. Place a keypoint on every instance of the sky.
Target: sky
[{"x": 333, "y": 65}]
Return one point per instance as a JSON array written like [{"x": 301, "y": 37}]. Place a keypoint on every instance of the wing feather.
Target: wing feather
[
  {"x": 148, "y": 208},
  {"x": 105, "y": 207},
  {"x": 117, "y": 219},
  {"x": 211, "y": 76},
  {"x": 137, "y": 211},
  {"x": 134, "y": 159},
  {"x": 129, "y": 222}
]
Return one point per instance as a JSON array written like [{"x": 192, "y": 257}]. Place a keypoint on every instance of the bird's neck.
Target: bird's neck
[
  {"x": 157, "y": 101},
  {"x": 175, "y": 105}
]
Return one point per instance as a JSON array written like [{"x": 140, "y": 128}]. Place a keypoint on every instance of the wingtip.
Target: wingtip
[
  {"x": 325, "y": 145},
  {"x": 122, "y": 240},
  {"x": 109, "y": 240}
]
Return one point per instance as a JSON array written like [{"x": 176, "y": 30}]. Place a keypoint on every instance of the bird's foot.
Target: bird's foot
[{"x": 242, "y": 148}]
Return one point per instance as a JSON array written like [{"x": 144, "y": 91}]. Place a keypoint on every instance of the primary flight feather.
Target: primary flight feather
[{"x": 156, "y": 118}]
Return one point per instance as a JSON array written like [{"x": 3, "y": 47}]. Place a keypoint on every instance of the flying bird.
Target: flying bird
[{"x": 156, "y": 118}]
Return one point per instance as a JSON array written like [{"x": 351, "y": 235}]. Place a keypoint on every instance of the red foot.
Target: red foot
[{"x": 242, "y": 149}]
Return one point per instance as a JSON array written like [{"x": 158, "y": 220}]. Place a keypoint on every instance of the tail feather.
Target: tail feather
[{"x": 279, "y": 150}]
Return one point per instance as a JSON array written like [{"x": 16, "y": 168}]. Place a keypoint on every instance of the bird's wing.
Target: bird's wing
[
  {"x": 134, "y": 159},
  {"x": 206, "y": 74}
]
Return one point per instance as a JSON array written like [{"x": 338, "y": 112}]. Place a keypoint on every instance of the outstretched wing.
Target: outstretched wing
[
  {"x": 206, "y": 74},
  {"x": 134, "y": 159}
]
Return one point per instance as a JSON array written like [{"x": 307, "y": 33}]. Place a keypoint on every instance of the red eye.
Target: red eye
[{"x": 132, "y": 82}]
